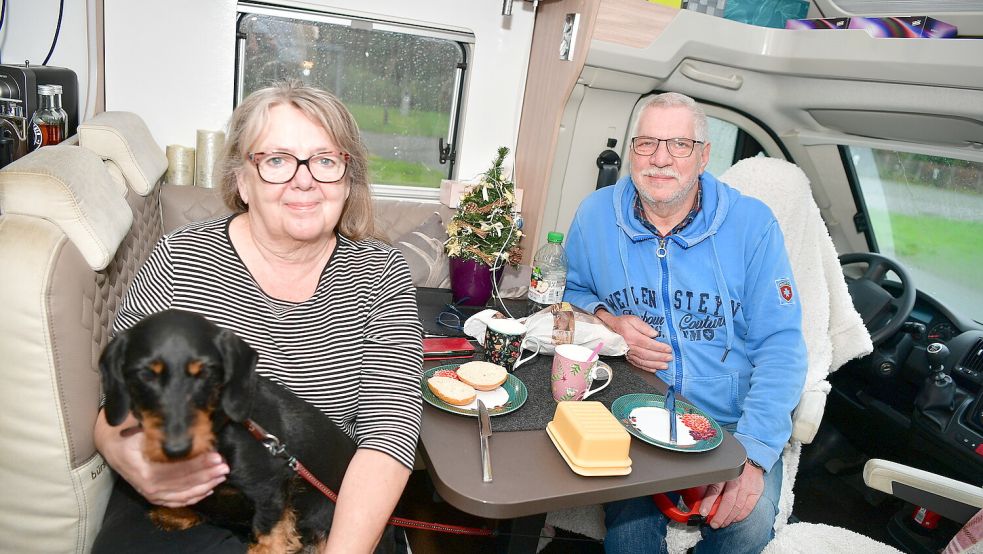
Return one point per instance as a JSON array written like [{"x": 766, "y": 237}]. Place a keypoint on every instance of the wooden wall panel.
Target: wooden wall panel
[{"x": 549, "y": 83}]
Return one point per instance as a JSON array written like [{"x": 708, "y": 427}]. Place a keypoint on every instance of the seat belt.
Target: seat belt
[{"x": 608, "y": 164}]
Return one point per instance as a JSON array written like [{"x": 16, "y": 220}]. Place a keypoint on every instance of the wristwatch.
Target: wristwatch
[{"x": 755, "y": 464}]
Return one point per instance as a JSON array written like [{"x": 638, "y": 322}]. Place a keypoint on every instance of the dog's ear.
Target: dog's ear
[
  {"x": 111, "y": 366},
  {"x": 238, "y": 362}
]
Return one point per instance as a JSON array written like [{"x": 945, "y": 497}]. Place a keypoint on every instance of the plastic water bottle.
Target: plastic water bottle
[{"x": 549, "y": 274}]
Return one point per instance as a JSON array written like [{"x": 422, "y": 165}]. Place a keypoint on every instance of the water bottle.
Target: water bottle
[{"x": 549, "y": 274}]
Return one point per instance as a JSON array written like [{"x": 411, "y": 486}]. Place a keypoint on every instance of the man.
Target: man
[{"x": 696, "y": 278}]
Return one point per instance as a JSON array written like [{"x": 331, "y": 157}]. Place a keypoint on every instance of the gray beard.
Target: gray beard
[{"x": 670, "y": 205}]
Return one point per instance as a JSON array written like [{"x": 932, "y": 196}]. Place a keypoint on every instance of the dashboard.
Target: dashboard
[
  {"x": 938, "y": 326},
  {"x": 964, "y": 338}
]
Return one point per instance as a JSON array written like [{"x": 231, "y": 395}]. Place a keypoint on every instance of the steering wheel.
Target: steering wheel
[{"x": 883, "y": 313}]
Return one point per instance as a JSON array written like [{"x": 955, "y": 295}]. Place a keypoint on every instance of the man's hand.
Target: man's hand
[
  {"x": 172, "y": 484},
  {"x": 644, "y": 352},
  {"x": 740, "y": 495}
]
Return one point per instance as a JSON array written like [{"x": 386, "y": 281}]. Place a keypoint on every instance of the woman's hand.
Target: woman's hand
[
  {"x": 171, "y": 484},
  {"x": 644, "y": 352}
]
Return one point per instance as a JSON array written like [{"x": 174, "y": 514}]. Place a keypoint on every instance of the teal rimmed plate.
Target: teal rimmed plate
[
  {"x": 645, "y": 417},
  {"x": 503, "y": 400}
]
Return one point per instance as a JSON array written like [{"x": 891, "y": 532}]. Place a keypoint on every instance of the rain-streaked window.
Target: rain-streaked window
[
  {"x": 926, "y": 212},
  {"x": 403, "y": 84}
]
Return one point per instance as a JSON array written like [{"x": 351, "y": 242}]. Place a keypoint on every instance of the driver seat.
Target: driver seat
[{"x": 833, "y": 330}]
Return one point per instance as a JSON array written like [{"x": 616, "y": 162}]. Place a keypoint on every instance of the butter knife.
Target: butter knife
[
  {"x": 670, "y": 406},
  {"x": 484, "y": 431}
]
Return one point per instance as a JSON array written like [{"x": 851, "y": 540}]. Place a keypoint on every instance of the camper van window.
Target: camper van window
[
  {"x": 403, "y": 84},
  {"x": 927, "y": 213}
]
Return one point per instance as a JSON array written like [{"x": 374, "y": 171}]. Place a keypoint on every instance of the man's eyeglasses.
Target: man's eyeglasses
[
  {"x": 277, "y": 168},
  {"x": 677, "y": 147}
]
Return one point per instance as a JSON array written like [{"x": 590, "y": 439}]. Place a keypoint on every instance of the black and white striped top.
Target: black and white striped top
[{"x": 353, "y": 349}]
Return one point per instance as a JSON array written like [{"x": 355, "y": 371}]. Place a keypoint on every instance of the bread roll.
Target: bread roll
[
  {"x": 482, "y": 375},
  {"x": 451, "y": 391}
]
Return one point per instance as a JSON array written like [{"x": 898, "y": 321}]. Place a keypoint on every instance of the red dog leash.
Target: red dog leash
[{"x": 279, "y": 449}]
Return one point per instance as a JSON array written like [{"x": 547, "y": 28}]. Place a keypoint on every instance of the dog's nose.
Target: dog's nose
[{"x": 177, "y": 449}]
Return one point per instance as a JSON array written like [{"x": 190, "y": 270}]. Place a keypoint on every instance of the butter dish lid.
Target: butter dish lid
[
  {"x": 583, "y": 470},
  {"x": 589, "y": 435}
]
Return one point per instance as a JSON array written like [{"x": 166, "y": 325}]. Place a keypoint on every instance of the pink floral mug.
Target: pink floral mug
[{"x": 572, "y": 375}]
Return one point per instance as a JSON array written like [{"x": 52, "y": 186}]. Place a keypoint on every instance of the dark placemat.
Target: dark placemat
[
  {"x": 432, "y": 301},
  {"x": 539, "y": 407}
]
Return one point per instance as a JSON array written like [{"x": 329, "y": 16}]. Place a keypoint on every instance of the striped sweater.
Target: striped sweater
[{"x": 353, "y": 349}]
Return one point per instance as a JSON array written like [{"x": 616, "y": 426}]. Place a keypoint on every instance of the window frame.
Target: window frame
[{"x": 464, "y": 40}]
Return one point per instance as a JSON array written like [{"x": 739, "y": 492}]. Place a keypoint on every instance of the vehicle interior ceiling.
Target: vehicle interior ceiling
[{"x": 820, "y": 99}]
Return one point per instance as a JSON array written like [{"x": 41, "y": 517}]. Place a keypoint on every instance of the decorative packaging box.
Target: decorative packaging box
[
  {"x": 882, "y": 27},
  {"x": 904, "y": 27},
  {"x": 678, "y": 4},
  {"x": 827, "y": 23}
]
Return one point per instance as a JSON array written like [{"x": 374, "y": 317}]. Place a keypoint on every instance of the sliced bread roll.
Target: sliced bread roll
[
  {"x": 451, "y": 391},
  {"x": 482, "y": 375}
]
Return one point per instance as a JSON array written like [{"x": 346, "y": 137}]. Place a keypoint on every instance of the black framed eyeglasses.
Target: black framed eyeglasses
[
  {"x": 678, "y": 147},
  {"x": 277, "y": 168}
]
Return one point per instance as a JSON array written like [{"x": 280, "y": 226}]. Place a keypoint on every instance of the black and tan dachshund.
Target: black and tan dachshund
[{"x": 192, "y": 385}]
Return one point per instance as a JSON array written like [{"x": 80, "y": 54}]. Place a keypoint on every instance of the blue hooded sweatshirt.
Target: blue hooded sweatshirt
[{"x": 720, "y": 292}]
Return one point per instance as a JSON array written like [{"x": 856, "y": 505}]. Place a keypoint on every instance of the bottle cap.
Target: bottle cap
[
  {"x": 49, "y": 90},
  {"x": 553, "y": 236}
]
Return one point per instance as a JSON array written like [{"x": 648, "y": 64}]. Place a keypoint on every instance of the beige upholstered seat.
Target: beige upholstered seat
[{"x": 73, "y": 232}]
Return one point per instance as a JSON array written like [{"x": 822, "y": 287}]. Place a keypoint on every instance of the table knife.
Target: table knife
[
  {"x": 671, "y": 408},
  {"x": 484, "y": 431}
]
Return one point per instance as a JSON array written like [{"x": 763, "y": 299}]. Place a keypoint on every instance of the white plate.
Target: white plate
[{"x": 654, "y": 422}]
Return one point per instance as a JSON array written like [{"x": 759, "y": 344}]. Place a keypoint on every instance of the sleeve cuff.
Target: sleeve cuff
[{"x": 758, "y": 451}]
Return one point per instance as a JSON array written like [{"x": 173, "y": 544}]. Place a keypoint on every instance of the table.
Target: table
[{"x": 531, "y": 478}]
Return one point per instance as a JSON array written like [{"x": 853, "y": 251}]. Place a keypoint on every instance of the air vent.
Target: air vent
[{"x": 973, "y": 360}]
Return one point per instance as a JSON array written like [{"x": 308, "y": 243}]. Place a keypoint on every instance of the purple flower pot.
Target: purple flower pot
[{"x": 471, "y": 283}]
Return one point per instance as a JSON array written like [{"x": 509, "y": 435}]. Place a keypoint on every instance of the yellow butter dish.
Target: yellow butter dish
[
  {"x": 589, "y": 436},
  {"x": 586, "y": 471}
]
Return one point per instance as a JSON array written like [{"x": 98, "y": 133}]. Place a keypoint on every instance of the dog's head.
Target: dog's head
[{"x": 174, "y": 370}]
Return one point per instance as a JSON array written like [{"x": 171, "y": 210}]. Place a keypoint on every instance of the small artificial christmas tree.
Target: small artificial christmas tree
[{"x": 484, "y": 228}]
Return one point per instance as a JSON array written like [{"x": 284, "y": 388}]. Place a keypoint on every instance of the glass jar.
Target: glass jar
[{"x": 49, "y": 125}]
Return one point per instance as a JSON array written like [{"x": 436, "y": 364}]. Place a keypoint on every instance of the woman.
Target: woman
[{"x": 295, "y": 273}]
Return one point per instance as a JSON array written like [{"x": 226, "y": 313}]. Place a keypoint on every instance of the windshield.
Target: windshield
[{"x": 926, "y": 212}]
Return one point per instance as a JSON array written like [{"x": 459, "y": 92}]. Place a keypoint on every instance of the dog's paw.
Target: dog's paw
[{"x": 174, "y": 519}]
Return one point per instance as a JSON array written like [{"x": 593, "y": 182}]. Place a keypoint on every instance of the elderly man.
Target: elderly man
[{"x": 696, "y": 278}]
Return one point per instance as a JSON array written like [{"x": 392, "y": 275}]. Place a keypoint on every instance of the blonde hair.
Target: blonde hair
[{"x": 250, "y": 118}]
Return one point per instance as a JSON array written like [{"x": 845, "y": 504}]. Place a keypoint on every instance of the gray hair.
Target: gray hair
[
  {"x": 673, "y": 99},
  {"x": 250, "y": 118}
]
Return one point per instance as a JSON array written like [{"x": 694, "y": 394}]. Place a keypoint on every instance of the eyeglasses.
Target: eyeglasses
[
  {"x": 277, "y": 168},
  {"x": 451, "y": 317},
  {"x": 677, "y": 147}
]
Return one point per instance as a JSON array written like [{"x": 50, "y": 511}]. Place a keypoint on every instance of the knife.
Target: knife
[
  {"x": 670, "y": 406},
  {"x": 484, "y": 431}
]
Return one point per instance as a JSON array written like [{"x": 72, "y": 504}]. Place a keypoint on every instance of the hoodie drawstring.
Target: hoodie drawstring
[{"x": 718, "y": 274}]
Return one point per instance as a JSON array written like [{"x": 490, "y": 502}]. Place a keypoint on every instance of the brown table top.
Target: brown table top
[{"x": 532, "y": 478}]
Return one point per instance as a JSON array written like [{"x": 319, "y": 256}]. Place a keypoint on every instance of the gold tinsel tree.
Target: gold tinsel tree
[{"x": 484, "y": 228}]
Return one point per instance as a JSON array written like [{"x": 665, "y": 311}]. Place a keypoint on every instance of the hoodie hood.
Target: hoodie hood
[{"x": 717, "y": 200}]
